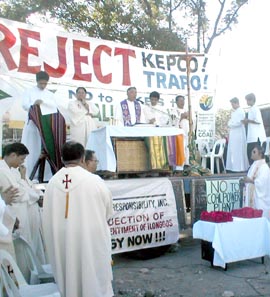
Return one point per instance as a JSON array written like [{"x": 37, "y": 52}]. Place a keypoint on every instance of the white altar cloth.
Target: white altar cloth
[
  {"x": 235, "y": 241},
  {"x": 100, "y": 141}
]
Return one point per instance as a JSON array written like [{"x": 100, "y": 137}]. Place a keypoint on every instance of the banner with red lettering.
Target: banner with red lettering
[
  {"x": 105, "y": 68},
  {"x": 101, "y": 66},
  {"x": 144, "y": 215},
  {"x": 76, "y": 59}
]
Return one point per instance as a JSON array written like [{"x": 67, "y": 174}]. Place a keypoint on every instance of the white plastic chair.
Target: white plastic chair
[
  {"x": 38, "y": 273},
  {"x": 215, "y": 156},
  {"x": 20, "y": 288},
  {"x": 203, "y": 147}
]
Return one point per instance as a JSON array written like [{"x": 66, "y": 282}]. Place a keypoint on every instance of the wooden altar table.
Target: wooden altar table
[{"x": 100, "y": 141}]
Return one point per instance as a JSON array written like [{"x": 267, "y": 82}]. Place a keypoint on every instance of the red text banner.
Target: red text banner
[{"x": 76, "y": 59}]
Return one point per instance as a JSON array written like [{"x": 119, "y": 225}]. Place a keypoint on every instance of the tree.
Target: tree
[
  {"x": 20, "y": 10},
  {"x": 206, "y": 30},
  {"x": 155, "y": 24},
  {"x": 140, "y": 23}
]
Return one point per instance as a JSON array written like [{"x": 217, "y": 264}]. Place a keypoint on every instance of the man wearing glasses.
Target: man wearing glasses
[
  {"x": 258, "y": 182},
  {"x": 91, "y": 161}
]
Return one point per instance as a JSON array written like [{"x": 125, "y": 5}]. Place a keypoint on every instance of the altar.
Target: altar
[
  {"x": 238, "y": 240},
  {"x": 100, "y": 141}
]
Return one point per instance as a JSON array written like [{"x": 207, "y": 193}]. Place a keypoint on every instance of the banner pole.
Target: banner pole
[{"x": 188, "y": 94}]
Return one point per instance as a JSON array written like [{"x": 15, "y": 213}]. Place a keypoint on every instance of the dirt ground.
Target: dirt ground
[{"x": 182, "y": 272}]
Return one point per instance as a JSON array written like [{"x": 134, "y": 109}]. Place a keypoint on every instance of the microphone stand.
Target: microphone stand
[{"x": 137, "y": 99}]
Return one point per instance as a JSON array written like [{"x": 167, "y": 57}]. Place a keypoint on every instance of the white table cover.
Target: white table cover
[
  {"x": 235, "y": 241},
  {"x": 100, "y": 141}
]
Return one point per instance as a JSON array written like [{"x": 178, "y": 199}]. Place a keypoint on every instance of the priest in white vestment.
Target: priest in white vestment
[
  {"x": 25, "y": 207},
  {"x": 77, "y": 205},
  {"x": 182, "y": 122},
  {"x": 237, "y": 159},
  {"x": 7, "y": 220},
  {"x": 31, "y": 136},
  {"x": 129, "y": 111},
  {"x": 257, "y": 192},
  {"x": 81, "y": 113}
]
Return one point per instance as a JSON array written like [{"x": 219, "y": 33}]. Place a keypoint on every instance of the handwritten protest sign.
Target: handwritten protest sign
[
  {"x": 215, "y": 194},
  {"x": 223, "y": 195}
]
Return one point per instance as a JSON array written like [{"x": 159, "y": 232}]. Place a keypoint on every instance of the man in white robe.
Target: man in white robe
[
  {"x": 255, "y": 128},
  {"x": 7, "y": 219},
  {"x": 129, "y": 111},
  {"x": 182, "y": 122},
  {"x": 31, "y": 136},
  {"x": 25, "y": 207},
  {"x": 81, "y": 115},
  {"x": 76, "y": 207},
  {"x": 237, "y": 160},
  {"x": 257, "y": 192}
]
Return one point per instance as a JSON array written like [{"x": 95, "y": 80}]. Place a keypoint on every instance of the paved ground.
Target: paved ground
[{"x": 182, "y": 272}]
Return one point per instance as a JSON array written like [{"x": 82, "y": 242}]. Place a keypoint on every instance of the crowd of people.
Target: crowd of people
[{"x": 70, "y": 231}]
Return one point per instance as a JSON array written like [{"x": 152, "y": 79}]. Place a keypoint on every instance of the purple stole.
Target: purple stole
[{"x": 126, "y": 114}]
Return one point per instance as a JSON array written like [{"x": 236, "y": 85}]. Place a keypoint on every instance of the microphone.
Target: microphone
[{"x": 138, "y": 99}]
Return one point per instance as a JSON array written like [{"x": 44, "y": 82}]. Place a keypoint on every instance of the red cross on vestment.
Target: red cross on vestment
[
  {"x": 67, "y": 194},
  {"x": 66, "y": 181}
]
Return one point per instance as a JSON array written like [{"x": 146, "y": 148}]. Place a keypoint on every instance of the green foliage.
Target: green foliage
[
  {"x": 222, "y": 118},
  {"x": 138, "y": 23},
  {"x": 194, "y": 168},
  {"x": 20, "y": 10}
]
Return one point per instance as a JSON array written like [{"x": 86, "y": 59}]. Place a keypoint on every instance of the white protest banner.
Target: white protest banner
[
  {"x": 105, "y": 68},
  {"x": 223, "y": 195},
  {"x": 145, "y": 214}
]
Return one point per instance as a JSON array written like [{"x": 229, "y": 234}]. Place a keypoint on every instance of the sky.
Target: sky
[{"x": 244, "y": 56}]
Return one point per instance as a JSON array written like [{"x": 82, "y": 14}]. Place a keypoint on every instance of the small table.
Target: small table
[{"x": 234, "y": 241}]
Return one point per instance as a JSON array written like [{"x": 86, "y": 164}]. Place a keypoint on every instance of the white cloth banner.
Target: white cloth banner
[
  {"x": 145, "y": 214},
  {"x": 73, "y": 58}
]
